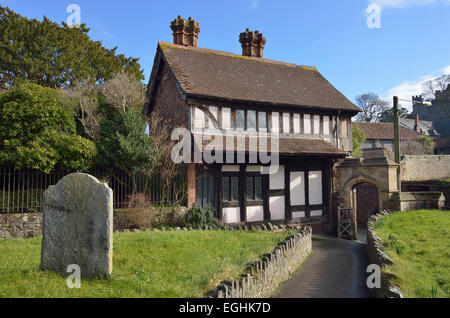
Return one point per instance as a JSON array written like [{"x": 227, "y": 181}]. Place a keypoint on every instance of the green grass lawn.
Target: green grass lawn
[
  {"x": 146, "y": 264},
  {"x": 419, "y": 244}
]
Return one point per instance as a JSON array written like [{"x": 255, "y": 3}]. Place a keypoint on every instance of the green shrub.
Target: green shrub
[
  {"x": 168, "y": 216},
  {"x": 199, "y": 217}
]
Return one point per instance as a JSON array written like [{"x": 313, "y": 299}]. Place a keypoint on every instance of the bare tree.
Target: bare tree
[
  {"x": 372, "y": 107},
  {"x": 123, "y": 91},
  {"x": 83, "y": 98},
  {"x": 160, "y": 131}
]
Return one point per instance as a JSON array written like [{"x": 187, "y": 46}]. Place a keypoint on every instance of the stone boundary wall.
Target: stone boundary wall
[
  {"x": 29, "y": 225},
  {"x": 376, "y": 254},
  {"x": 424, "y": 168},
  {"x": 263, "y": 277},
  {"x": 25, "y": 225}
]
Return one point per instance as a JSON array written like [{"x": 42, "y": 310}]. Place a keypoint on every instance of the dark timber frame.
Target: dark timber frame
[{"x": 291, "y": 164}]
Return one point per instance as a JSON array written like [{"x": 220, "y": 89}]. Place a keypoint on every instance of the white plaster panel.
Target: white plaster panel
[
  {"x": 226, "y": 118},
  {"x": 297, "y": 188},
  {"x": 316, "y": 120},
  {"x": 255, "y": 213},
  {"x": 229, "y": 168},
  {"x": 296, "y": 123},
  {"x": 275, "y": 122},
  {"x": 326, "y": 125},
  {"x": 298, "y": 215},
  {"x": 286, "y": 123},
  {"x": 253, "y": 169},
  {"x": 231, "y": 215},
  {"x": 276, "y": 180},
  {"x": 315, "y": 187},
  {"x": 276, "y": 208},
  {"x": 316, "y": 213},
  {"x": 307, "y": 124},
  {"x": 199, "y": 119}
]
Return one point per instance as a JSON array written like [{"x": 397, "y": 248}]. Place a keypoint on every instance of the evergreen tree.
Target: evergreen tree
[
  {"x": 38, "y": 132},
  {"x": 48, "y": 54}
]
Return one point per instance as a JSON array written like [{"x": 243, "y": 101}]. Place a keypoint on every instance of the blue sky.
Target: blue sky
[{"x": 410, "y": 47}]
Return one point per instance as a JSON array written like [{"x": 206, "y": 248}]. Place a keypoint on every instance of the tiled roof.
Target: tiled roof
[
  {"x": 286, "y": 146},
  {"x": 229, "y": 77},
  {"x": 426, "y": 127},
  {"x": 385, "y": 131}
]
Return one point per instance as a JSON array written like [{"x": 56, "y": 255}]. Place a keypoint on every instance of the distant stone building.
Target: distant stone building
[
  {"x": 438, "y": 111},
  {"x": 432, "y": 120}
]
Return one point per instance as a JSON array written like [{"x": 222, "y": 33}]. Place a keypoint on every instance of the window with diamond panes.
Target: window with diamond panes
[
  {"x": 225, "y": 188},
  {"x": 234, "y": 189},
  {"x": 254, "y": 188},
  {"x": 250, "y": 188},
  {"x": 258, "y": 195}
]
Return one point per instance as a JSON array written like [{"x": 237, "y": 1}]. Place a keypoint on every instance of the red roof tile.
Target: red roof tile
[
  {"x": 385, "y": 131},
  {"x": 226, "y": 76}
]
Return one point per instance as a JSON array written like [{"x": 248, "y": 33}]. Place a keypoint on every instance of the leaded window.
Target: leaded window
[
  {"x": 262, "y": 121},
  {"x": 234, "y": 189},
  {"x": 251, "y": 120},
  {"x": 253, "y": 188},
  {"x": 230, "y": 189},
  {"x": 240, "y": 119},
  {"x": 226, "y": 188}
]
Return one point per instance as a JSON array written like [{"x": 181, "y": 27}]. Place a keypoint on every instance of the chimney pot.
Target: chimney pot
[
  {"x": 252, "y": 43},
  {"x": 185, "y": 32}
]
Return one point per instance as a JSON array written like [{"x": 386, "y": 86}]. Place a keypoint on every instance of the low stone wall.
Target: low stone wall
[
  {"x": 423, "y": 168},
  {"x": 376, "y": 254},
  {"x": 263, "y": 277},
  {"x": 20, "y": 225},
  {"x": 407, "y": 201},
  {"x": 30, "y": 225}
]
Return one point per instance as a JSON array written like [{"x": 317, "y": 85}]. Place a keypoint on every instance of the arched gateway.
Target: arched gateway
[{"x": 375, "y": 169}]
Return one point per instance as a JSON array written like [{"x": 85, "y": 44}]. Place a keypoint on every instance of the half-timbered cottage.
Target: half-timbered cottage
[{"x": 246, "y": 97}]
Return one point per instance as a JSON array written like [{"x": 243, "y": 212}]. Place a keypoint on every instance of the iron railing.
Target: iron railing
[{"x": 22, "y": 191}]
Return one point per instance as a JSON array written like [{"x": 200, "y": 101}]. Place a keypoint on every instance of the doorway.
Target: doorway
[{"x": 366, "y": 202}]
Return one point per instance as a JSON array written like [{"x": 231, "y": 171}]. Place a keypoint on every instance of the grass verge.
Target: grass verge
[
  {"x": 419, "y": 244},
  {"x": 146, "y": 264}
]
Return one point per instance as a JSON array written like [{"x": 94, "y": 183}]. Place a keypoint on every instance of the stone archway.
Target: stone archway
[
  {"x": 377, "y": 171},
  {"x": 380, "y": 172}
]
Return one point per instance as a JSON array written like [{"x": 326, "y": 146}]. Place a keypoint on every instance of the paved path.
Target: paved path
[{"x": 336, "y": 269}]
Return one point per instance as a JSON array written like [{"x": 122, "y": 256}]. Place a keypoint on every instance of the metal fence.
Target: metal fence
[{"x": 22, "y": 191}]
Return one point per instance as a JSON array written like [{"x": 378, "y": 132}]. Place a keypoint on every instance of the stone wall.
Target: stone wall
[
  {"x": 263, "y": 277},
  {"x": 376, "y": 254},
  {"x": 407, "y": 201},
  {"x": 20, "y": 225},
  {"x": 424, "y": 168}
]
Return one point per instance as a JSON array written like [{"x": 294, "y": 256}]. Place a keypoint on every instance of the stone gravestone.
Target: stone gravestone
[{"x": 77, "y": 226}]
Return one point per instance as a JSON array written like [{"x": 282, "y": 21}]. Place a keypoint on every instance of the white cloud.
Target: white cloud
[
  {"x": 410, "y": 88},
  {"x": 405, "y": 3}
]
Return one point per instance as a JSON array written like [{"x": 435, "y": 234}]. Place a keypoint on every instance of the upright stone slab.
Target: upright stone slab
[{"x": 77, "y": 226}]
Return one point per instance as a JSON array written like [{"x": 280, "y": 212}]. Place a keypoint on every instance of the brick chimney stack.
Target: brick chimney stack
[
  {"x": 252, "y": 43},
  {"x": 185, "y": 32},
  {"x": 417, "y": 125}
]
